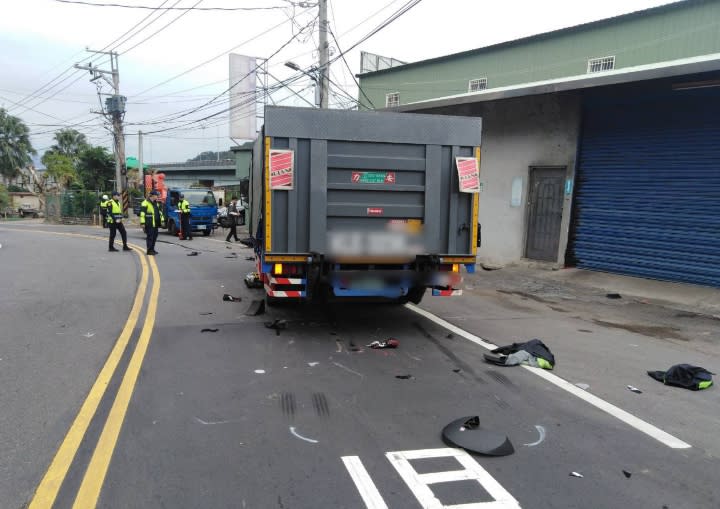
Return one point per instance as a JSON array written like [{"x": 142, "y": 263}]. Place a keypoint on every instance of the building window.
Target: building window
[
  {"x": 477, "y": 85},
  {"x": 601, "y": 64},
  {"x": 392, "y": 100}
]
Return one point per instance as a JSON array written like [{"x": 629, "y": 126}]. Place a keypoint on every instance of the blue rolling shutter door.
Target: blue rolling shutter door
[{"x": 647, "y": 197}]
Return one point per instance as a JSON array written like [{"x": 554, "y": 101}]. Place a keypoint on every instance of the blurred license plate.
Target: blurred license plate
[{"x": 201, "y": 227}]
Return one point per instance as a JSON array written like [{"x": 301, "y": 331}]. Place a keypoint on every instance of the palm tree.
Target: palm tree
[
  {"x": 69, "y": 142},
  {"x": 15, "y": 146}
]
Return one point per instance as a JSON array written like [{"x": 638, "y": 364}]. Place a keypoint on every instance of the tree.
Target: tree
[
  {"x": 15, "y": 146},
  {"x": 4, "y": 197},
  {"x": 69, "y": 142},
  {"x": 95, "y": 168},
  {"x": 60, "y": 167}
]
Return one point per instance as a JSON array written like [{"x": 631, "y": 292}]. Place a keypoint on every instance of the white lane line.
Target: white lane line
[
  {"x": 349, "y": 370},
  {"x": 292, "y": 430},
  {"x": 637, "y": 423},
  {"x": 365, "y": 485}
]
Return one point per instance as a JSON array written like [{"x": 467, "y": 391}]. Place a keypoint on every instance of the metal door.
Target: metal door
[{"x": 545, "y": 204}]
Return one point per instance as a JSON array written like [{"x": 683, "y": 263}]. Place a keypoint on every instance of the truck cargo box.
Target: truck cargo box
[{"x": 365, "y": 187}]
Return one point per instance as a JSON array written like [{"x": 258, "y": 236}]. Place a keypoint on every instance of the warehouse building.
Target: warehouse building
[{"x": 600, "y": 143}]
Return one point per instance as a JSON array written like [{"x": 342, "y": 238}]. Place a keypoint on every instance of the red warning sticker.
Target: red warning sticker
[{"x": 375, "y": 211}]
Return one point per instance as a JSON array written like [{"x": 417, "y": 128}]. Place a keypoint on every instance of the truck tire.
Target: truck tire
[
  {"x": 172, "y": 229},
  {"x": 206, "y": 233}
]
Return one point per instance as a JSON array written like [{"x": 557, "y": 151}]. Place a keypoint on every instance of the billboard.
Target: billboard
[{"x": 242, "y": 114}]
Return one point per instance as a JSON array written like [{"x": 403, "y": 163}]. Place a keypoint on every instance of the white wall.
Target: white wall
[{"x": 519, "y": 133}]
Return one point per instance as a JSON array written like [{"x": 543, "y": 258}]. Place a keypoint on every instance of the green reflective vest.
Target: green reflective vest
[
  {"x": 147, "y": 210},
  {"x": 114, "y": 212},
  {"x": 184, "y": 206}
]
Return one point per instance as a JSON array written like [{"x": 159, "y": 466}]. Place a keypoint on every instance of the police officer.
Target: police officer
[
  {"x": 151, "y": 217},
  {"x": 115, "y": 218},
  {"x": 184, "y": 207},
  {"x": 103, "y": 210}
]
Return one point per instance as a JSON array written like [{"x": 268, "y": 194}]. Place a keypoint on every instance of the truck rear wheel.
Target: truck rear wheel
[{"x": 206, "y": 233}]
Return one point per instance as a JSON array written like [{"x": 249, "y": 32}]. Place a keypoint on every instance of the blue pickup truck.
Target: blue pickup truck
[{"x": 203, "y": 210}]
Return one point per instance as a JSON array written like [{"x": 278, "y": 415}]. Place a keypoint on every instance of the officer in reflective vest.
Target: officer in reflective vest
[
  {"x": 151, "y": 217},
  {"x": 115, "y": 221},
  {"x": 184, "y": 208},
  {"x": 103, "y": 210}
]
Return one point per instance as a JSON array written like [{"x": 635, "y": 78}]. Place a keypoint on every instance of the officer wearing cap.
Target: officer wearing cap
[
  {"x": 186, "y": 229},
  {"x": 151, "y": 217},
  {"x": 115, "y": 218},
  {"x": 103, "y": 210}
]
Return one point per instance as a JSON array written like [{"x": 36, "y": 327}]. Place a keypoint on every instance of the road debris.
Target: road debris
[
  {"x": 193, "y": 253},
  {"x": 252, "y": 280},
  {"x": 277, "y": 325},
  {"x": 206, "y": 313},
  {"x": 467, "y": 434},
  {"x": 404, "y": 377},
  {"x": 89, "y": 334},
  {"x": 576, "y": 474},
  {"x": 614, "y": 296},
  {"x": 313, "y": 364},
  {"x": 230, "y": 298},
  {"x": 296, "y": 434},
  {"x": 232, "y": 256},
  {"x": 257, "y": 307},
  {"x": 627, "y": 474},
  {"x": 634, "y": 389},
  {"x": 260, "y": 371},
  {"x": 686, "y": 376},
  {"x": 389, "y": 343},
  {"x": 533, "y": 353},
  {"x": 250, "y": 258},
  {"x": 457, "y": 370},
  {"x": 209, "y": 330},
  {"x": 541, "y": 432}
]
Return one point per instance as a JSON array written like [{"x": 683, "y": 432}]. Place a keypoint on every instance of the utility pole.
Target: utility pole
[
  {"x": 323, "y": 45},
  {"x": 141, "y": 166},
  {"x": 115, "y": 110}
]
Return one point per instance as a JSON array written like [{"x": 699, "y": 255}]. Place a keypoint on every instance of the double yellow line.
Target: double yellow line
[{"x": 89, "y": 492}]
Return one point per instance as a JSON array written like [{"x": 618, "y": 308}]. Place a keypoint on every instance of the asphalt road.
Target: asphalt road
[{"x": 244, "y": 417}]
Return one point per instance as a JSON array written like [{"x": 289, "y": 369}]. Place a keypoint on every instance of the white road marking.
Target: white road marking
[
  {"x": 292, "y": 430},
  {"x": 365, "y": 485},
  {"x": 541, "y": 432},
  {"x": 211, "y": 423},
  {"x": 419, "y": 483},
  {"x": 637, "y": 423},
  {"x": 349, "y": 370}
]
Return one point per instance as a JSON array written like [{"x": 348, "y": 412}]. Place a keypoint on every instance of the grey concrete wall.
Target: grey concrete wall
[{"x": 517, "y": 134}]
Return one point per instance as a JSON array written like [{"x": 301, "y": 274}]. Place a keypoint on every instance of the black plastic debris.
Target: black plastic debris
[
  {"x": 614, "y": 296},
  {"x": 467, "y": 434},
  {"x": 250, "y": 258},
  {"x": 206, "y": 313},
  {"x": 686, "y": 376},
  {"x": 232, "y": 256},
  {"x": 450, "y": 336},
  {"x": 230, "y": 298},
  {"x": 634, "y": 389},
  {"x": 457, "y": 370},
  {"x": 257, "y": 307},
  {"x": 277, "y": 325},
  {"x": 248, "y": 242},
  {"x": 194, "y": 253},
  {"x": 627, "y": 474},
  {"x": 404, "y": 377},
  {"x": 209, "y": 330},
  {"x": 389, "y": 343}
]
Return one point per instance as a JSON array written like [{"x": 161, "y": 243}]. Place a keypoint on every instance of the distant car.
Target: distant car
[{"x": 28, "y": 211}]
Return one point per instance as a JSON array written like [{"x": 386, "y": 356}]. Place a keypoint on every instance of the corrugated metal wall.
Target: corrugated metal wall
[{"x": 647, "y": 192}]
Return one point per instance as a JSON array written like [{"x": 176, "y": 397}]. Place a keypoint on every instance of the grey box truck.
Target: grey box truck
[{"x": 364, "y": 204}]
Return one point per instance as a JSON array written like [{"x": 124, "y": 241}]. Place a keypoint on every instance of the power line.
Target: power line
[
  {"x": 163, "y": 28},
  {"x": 147, "y": 7},
  {"x": 342, "y": 54},
  {"x": 224, "y": 53}
]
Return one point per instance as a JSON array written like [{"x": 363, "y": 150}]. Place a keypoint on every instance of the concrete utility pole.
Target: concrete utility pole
[
  {"x": 323, "y": 45},
  {"x": 141, "y": 166},
  {"x": 115, "y": 110}
]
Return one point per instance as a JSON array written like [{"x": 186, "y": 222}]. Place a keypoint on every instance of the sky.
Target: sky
[{"x": 174, "y": 61}]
